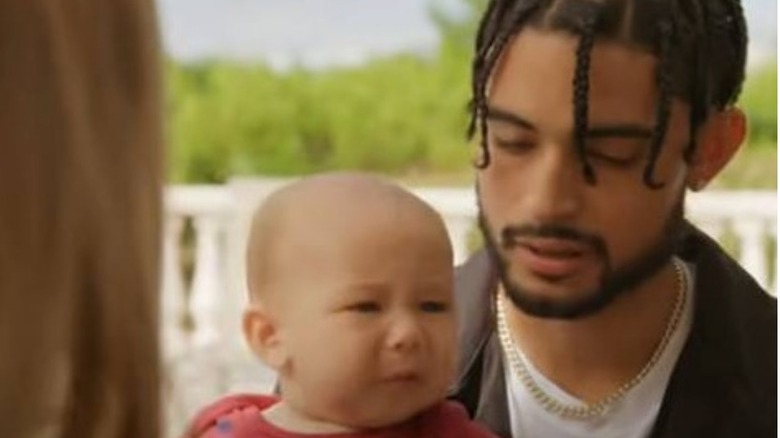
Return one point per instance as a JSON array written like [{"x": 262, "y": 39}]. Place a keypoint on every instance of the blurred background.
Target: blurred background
[
  {"x": 289, "y": 87},
  {"x": 261, "y": 91}
]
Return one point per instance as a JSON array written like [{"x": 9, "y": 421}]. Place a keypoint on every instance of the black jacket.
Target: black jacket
[{"x": 724, "y": 383}]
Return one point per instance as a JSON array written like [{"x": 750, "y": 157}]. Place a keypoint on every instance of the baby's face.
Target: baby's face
[{"x": 372, "y": 336}]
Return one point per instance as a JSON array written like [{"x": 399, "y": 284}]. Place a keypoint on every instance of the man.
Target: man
[{"x": 596, "y": 309}]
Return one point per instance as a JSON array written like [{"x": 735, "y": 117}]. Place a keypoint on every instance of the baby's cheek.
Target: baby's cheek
[{"x": 446, "y": 358}]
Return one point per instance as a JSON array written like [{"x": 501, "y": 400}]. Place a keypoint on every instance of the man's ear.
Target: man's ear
[
  {"x": 718, "y": 139},
  {"x": 262, "y": 333}
]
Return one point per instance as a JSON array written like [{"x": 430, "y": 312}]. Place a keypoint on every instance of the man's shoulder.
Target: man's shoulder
[
  {"x": 473, "y": 274},
  {"x": 731, "y": 353},
  {"x": 724, "y": 287},
  {"x": 730, "y": 303},
  {"x": 475, "y": 282}
]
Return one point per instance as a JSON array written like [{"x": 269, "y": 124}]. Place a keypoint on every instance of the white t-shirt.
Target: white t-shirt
[{"x": 632, "y": 416}]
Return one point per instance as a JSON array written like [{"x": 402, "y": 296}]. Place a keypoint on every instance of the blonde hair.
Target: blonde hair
[{"x": 80, "y": 197}]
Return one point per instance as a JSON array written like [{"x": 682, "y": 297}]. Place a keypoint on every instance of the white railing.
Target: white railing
[
  {"x": 203, "y": 290},
  {"x": 217, "y": 219}
]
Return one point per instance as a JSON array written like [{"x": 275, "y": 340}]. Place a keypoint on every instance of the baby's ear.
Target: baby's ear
[{"x": 263, "y": 336}]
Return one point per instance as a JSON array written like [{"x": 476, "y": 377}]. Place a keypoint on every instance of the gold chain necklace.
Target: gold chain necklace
[{"x": 602, "y": 406}]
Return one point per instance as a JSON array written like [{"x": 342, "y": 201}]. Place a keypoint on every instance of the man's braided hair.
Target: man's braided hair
[{"x": 700, "y": 45}]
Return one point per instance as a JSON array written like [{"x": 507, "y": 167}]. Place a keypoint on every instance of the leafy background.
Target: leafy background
[{"x": 402, "y": 115}]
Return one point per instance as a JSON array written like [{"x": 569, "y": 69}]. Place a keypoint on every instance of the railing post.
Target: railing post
[
  {"x": 246, "y": 196},
  {"x": 457, "y": 207},
  {"x": 173, "y": 304},
  {"x": 206, "y": 284},
  {"x": 713, "y": 227},
  {"x": 752, "y": 254},
  {"x": 458, "y": 227}
]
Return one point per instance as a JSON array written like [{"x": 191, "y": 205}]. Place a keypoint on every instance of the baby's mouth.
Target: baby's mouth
[{"x": 404, "y": 376}]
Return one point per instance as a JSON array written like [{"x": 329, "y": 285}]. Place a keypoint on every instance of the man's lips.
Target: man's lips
[
  {"x": 550, "y": 257},
  {"x": 553, "y": 247}
]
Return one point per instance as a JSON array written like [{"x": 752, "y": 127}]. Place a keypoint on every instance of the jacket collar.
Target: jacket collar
[{"x": 711, "y": 379}]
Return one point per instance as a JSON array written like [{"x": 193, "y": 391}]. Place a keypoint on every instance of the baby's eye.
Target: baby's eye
[
  {"x": 365, "y": 307},
  {"x": 434, "y": 306}
]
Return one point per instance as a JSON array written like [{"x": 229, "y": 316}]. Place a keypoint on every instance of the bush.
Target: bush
[
  {"x": 392, "y": 116},
  {"x": 759, "y": 99},
  {"x": 400, "y": 115}
]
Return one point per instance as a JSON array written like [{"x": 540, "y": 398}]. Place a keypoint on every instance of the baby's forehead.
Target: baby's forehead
[
  {"x": 326, "y": 219},
  {"x": 387, "y": 260},
  {"x": 438, "y": 284},
  {"x": 364, "y": 223}
]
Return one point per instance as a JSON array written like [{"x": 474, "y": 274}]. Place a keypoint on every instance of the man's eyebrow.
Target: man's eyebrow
[
  {"x": 630, "y": 130},
  {"x": 606, "y": 130},
  {"x": 501, "y": 115}
]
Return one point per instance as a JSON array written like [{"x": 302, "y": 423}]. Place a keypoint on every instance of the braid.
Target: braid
[
  {"x": 701, "y": 47},
  {"x": 581, "y": 90},
  {"x": 699, "y": 87},
  {"x": 489, "y": 25},
  {"x": 487, "y": 56},
  {"x": 664, "y": 79},
  {"x": 735, "y": 22},
  {"x": 722, "y": 34}
]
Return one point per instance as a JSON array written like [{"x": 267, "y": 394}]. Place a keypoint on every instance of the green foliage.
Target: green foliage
[
  {"x": 403, "y": 115},
  {"x": 759, "y": 99},
  {"x": 400, "y": 115},
  {"x": 754, "y": 167},
  {"x": 395, "y": 115}
]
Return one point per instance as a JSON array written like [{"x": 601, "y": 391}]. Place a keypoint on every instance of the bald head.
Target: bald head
[{"x": 325, "y": 213}]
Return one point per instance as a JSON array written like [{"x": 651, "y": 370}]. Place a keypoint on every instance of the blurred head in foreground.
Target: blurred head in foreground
[{"x": 80, "y": 189}]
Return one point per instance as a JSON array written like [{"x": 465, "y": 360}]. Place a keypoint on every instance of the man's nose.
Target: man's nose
[{"x": 554, "y": 186}]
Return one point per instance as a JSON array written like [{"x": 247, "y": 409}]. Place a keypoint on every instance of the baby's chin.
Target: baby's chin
[{"x": 385, "y": 413}]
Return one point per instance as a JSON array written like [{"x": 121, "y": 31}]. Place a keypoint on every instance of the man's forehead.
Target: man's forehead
[
  {"x": 532, "y": 46},
  {"x": 615, "y": 125},
  {"x": 536, "y": 73}
]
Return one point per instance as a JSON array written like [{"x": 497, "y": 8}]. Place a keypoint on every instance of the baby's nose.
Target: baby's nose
[{"x": 404, "y": 333}]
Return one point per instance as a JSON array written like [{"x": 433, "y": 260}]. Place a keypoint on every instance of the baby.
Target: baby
[{"x": 351, "y": 302}]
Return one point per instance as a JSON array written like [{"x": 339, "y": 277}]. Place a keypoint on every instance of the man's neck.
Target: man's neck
[{"x": 592, "y": 357}]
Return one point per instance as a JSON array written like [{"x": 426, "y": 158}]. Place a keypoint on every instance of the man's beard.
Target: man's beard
[{"x": 614, "y": 281}]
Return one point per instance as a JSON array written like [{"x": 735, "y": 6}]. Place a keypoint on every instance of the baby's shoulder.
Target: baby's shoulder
[
  {"x": 229, "y": 416},
  {"x": 451, "y": 419}
]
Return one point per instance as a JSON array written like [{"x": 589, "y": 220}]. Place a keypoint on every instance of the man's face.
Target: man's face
[{"x": 564, "y": 247}]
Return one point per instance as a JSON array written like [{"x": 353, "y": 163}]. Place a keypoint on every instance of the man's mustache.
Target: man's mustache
[{"x": 510, "y": 235}]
